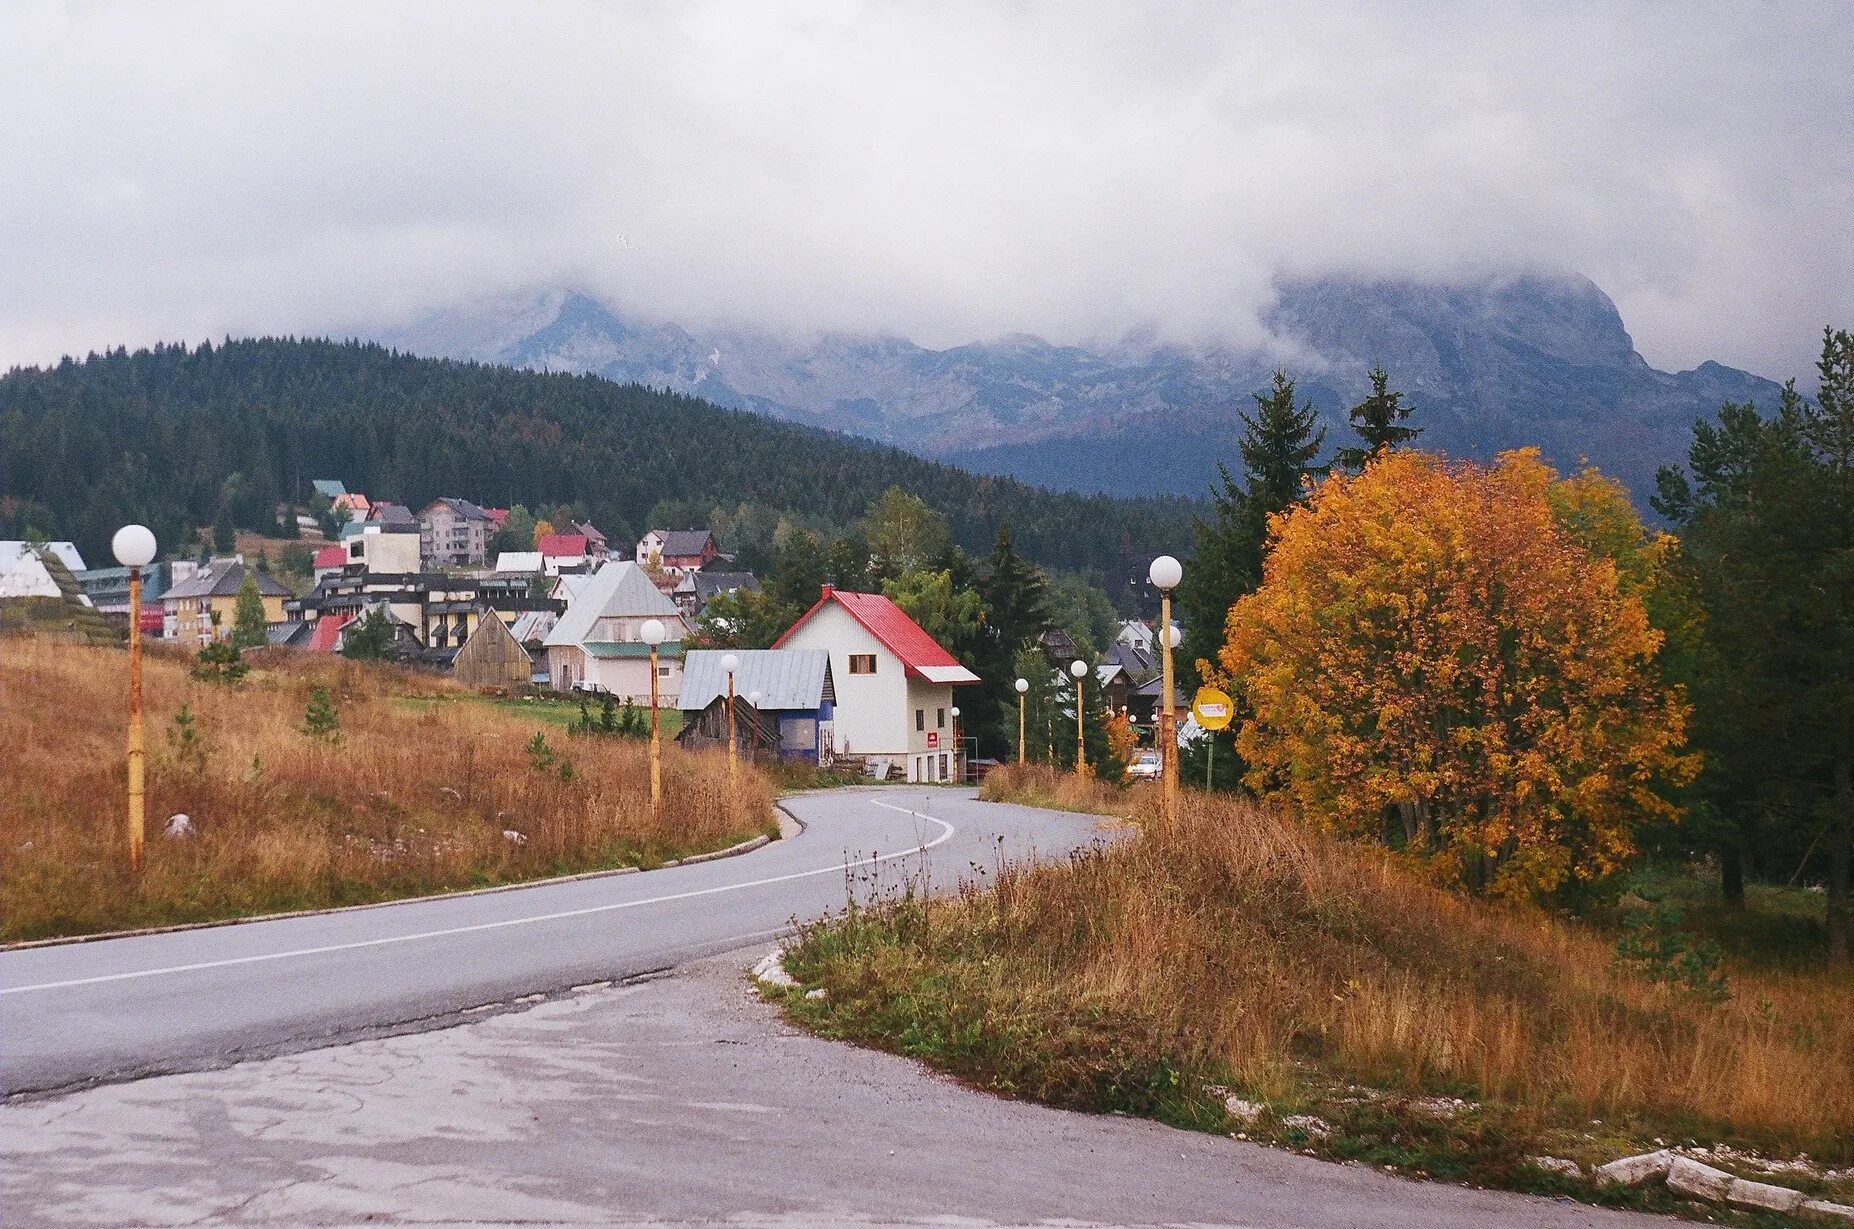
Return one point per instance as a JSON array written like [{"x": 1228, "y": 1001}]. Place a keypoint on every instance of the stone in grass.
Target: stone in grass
[
  {"x": 1564, "y": 1167},
  {"x": 1312, "y": 1124},
  {"x": 1635, "y": 1170},
  {"x": 1823, "y": 1210},
  {"x": 1245, "y": 1112},
  {"x": 819, "y": 993},
  {"x": 1747, "y": 1194},
  {"x": 1689, "y": 1177},
  {"x": 770, "y": 971},
  {"x": 179, "y": 827}
]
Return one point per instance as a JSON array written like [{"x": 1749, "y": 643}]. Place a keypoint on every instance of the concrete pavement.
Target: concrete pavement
[{"x": 681, "y": 1100}]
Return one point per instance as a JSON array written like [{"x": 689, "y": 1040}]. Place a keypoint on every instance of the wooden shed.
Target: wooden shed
[{"x": 492, "y": 657}]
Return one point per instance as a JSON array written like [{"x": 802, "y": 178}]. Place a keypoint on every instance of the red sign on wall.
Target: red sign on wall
[{"x": 933, "y": 739}]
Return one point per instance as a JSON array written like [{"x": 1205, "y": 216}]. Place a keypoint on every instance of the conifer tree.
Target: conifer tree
[
  {"x": 1279, "y": 444},
  {"x": 248, "y": 621},
  {"x": 1378, "y": 420}
]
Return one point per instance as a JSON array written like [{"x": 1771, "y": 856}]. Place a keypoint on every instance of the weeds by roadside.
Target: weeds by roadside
[
  {"x": 310, "y": 783},
  {"x": 1244, "y": 974}
]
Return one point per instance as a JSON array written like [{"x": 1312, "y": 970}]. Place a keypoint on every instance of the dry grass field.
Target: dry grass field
[
  {"x": 411, "y": 798},
  {"x": 1321, "y": 976}
]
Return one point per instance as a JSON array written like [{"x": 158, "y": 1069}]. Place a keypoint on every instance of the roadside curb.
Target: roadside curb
[{"x": 735, "y": 850}]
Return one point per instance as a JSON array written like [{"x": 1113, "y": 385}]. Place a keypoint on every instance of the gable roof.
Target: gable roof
[
  {"x": 785, "y": 678},
  {"x": 683, "y": 542},
  {"x": 707, "y": 584},
  {"x": 327, "y": 632},
  {"x": 223, "y": 578},
  {"x": 462, "y": 507},
  {"x": 328, "y": 488},
  {"x": 562, "y": 545},
  {"x": 11, "y": 552},
  {"x": 331, "y": 557},
  {"x": 921, "y": 655},
  {"x": 619, "y": 589},
  {"x": 518, "y": 561}
]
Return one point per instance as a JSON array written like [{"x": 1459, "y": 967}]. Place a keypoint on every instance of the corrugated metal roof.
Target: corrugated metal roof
[
  {"x": 669, "y": 650},
  {"x": 920, "y": 653},
  {"x": 785, "y": 678},
  {"x": 619, "y": 589}
]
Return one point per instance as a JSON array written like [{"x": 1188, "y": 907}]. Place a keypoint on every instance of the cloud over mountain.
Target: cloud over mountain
[{"x": 943, "y": 172}]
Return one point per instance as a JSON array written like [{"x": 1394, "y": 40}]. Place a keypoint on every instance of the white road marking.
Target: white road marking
[{"x": 944, "y": 836}]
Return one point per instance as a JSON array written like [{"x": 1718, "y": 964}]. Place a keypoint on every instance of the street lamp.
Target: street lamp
[
  {"x": 652, "y": 633},
  {"x": 730, "y": 663},
  {"x": 134, "y": 548},
  {"x": 961, "y": 775},
  {"x": 1022, "y": 685},
  {"x": 1079, "y": 669},
  {"x": 1165, "y": 574}
]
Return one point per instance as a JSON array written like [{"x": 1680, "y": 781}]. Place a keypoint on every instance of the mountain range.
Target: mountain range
[{"x": 1488, "y": 364}]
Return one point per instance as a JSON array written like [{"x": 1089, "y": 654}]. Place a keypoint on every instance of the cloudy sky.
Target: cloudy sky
[{"x": 942, "y": 170}]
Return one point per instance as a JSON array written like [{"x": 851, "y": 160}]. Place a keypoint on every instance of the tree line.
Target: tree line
[{"x": 187, "y": 437}]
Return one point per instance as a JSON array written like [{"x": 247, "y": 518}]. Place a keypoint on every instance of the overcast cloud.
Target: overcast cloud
[{"x": 944, "y": 171}]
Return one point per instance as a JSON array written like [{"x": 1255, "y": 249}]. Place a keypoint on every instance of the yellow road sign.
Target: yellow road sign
[{"x": 1211, "y": 708}]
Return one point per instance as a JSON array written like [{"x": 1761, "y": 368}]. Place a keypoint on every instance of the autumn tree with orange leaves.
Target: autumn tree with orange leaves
[{"x": 1433, "y": 658}]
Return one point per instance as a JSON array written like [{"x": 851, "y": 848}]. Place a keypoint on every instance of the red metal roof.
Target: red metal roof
[
  {"x": 888, "y": 623},
  {"x": 327, "y": 628},
  {"x": 561, "y": 545},
  {"x": 331, "y": 557}
]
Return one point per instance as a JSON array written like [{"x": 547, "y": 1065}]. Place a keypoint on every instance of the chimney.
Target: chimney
[{"x": 826, "y": 591}]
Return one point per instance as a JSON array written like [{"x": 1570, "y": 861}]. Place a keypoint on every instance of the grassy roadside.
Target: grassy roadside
[
  {"x": 1245, "y": 975},
  {"x": 424, "y": 788}
]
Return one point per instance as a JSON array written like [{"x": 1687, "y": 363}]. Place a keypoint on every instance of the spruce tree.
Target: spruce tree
[
  {"x": 1279, "y": 444},
  {"x": 1378, "y": 420},
  {"x": 248, "y": 621}
]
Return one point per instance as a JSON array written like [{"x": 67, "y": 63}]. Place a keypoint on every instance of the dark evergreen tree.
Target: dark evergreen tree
[
  {"x": 1379, "y": 423},
  {"x": 1279, "y": 444}
]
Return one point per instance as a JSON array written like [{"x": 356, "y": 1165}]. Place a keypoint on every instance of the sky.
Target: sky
[{"x": 942, "y": 171}]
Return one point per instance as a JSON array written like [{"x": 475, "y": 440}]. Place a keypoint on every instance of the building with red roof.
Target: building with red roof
[{"x": 894, "y": 683}]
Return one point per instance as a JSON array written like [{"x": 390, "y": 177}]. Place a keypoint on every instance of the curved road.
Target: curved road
[{"x": 113, "y": 1009}]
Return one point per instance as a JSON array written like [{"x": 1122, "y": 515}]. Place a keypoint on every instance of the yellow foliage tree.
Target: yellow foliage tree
[
  {"x": 1433, "y": 655},
  {"x": 1122, "y": 738}
]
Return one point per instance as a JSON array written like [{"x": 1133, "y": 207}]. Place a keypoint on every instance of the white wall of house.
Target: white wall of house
[
  {"x": 875, "y": 712},
  {"x": 627, "y": 678}
]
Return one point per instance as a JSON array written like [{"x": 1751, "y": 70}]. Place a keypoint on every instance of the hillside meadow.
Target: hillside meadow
[
  {"x": 1245, "y": 955},
  {"x": 423, "y": 787}
]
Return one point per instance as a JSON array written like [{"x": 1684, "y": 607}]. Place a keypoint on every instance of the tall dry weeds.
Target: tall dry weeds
[
  {"x": 415, "y": 797},
  {"x": 1242, "y": 944}
]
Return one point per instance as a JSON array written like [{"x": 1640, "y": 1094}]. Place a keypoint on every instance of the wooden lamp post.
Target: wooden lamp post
[
  {"x": 652, "y": 634},
  {"x": 730, "y": 663},
  {"x": 1022, "y": 685},
  {"x": 134, "y": 548},
  {"x": 1165, "y": 574},
  {"x": 1079, "y": 669}
]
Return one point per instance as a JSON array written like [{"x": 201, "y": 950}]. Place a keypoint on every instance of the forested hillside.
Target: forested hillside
[{"x": 178, "y": 437}]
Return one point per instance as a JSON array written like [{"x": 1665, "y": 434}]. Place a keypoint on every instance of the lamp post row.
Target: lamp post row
[{"x": 134, "y": 547}]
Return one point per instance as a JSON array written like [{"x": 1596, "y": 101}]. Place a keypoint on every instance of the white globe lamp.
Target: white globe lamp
[
  {"x": 133, "y": 546},
  {"x": 652, "y": 632},
  {"x": 1165, "y": 573},
  {"x": 1022, "y": 685},
  {"x": 1078, "y": 668}
]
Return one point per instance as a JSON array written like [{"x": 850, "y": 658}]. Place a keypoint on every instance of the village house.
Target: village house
[
  {"x": 597, "y": 644},
  {"x": 677, "y": 551},
  {"x": 454, "y": 533},
  {"x": 783, "y": 703},
  {"x": 694, "y": 589},
  {"x": 491, "y": 656},
  {"x": 202, "y": 607},
  {"x": 562, "y": 552},
  {"x": 597, "y": 548},
  {"x": 893, "y": 683}
]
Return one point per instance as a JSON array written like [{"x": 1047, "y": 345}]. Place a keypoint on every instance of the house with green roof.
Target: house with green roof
[{"x": 598, "y": 645}]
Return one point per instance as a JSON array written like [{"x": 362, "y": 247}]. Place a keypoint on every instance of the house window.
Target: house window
[
  {"x": 663, "y": 670},
  {"x": 920, "y": 718},
  {"x": 862, "y": 663},
  {"x": 941, "y": 719}
]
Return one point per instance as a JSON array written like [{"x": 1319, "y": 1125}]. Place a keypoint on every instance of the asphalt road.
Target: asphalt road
[
  {"x": 681, "y": 1100},
  {"x": 115, "y": 1009}
]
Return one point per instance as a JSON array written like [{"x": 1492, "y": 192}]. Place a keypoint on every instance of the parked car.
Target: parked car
[{"x": 1146, "y": 766}]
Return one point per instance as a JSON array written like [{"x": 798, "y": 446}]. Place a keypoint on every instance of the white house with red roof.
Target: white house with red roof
[{"x": 894, "y": 683}]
